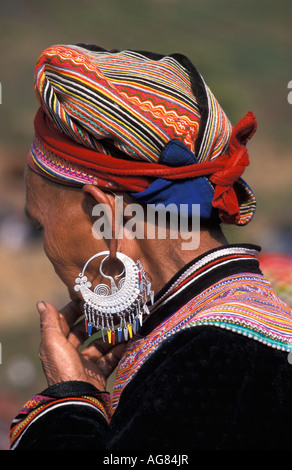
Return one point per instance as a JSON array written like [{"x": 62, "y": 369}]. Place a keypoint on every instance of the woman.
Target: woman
[{"x": 203, "y": 364}]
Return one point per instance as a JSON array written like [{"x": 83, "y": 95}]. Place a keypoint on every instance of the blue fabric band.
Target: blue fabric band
[{"x": 190, "y": 191}]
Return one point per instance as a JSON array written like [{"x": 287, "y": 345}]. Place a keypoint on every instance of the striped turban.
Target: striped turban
[{"x": 140, "y": 123}]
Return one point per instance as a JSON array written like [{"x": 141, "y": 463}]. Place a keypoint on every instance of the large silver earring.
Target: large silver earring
[{"x": 126, "y": 299}]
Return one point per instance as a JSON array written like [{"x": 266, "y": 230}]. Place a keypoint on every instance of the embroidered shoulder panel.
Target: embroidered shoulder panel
[{"x": 245, "y": 304}]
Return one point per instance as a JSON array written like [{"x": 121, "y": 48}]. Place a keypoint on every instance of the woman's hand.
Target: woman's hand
[{"x": 60, "y": 348}]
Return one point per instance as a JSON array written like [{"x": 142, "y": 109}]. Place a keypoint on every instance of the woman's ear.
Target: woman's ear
[{"x": 94, "y": 195}]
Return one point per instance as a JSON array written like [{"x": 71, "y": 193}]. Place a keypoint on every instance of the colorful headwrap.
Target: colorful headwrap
[{"x": 141, "y": 123}]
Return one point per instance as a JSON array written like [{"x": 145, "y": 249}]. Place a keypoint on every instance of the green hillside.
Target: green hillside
[{"x": 241, "y": 48}]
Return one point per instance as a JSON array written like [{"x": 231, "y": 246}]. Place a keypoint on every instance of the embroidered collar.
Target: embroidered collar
[
  {"x": 198, "y": 275},
  {"x": 224, "y": 288}
]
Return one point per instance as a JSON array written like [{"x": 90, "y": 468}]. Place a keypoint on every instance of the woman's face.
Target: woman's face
[{"x": 63, "y": 214}]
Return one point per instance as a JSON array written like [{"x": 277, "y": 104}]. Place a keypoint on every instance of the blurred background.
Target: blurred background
[{"x": 242, "y": 49}]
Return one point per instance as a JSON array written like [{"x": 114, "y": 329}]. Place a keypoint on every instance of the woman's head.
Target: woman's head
[
  {"x": 140, "y": 123},
  {"x": 136, "y": 125}
]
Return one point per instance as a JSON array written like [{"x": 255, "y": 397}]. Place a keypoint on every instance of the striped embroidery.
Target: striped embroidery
[
  {"x": 243, "y": 303},
  {"x": 61, "y": 169},
  {"x": 119, "y": 97},
  {"x": 39, "y": 405}
]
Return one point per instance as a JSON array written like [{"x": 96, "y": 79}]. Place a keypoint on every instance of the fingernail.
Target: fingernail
[{"x": 41, "y": 306}]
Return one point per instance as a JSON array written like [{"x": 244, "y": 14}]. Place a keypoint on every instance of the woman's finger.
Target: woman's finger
[
  {"x": 108, "y": 362},
  {"x": 49, "y": 321},
  {"x": 106, "y": 356},
  {"x": 73, "y": 324},
  {"x": 78, "y": 335},
  {"x": 69, "y": 316}
]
